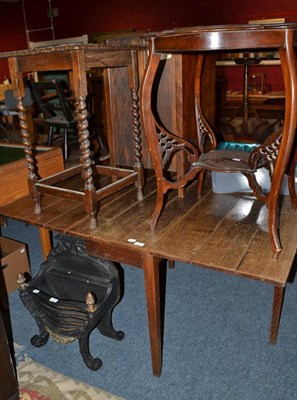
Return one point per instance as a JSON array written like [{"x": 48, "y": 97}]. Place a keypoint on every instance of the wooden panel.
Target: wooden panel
[
  {"x": 176, "y": 94},
  {"x": 169, "y": 96},
  {"x": 13, "y": 176},
  {"x": 8, "y": 381},
  {"x": 124, "y": 252},
  {"x": 112, "y": 58},
  {"x": 36, "y": 63},
  {"x": 118, "y": 111},
  {"x": 96, "y": 91}
]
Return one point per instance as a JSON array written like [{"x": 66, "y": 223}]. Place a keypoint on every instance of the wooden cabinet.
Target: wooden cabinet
[{"x": 175, "y": 102}]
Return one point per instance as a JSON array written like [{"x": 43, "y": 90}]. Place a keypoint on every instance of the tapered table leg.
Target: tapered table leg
[
  {"x": 276, "y": 312},
  {"x": 45, "y": 239},
  {"x": 152, "y": 288}
]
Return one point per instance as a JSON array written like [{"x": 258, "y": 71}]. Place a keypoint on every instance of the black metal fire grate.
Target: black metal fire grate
[{"x": 72, "y": 294}]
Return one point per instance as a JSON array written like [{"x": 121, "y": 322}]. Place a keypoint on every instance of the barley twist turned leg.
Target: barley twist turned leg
[
  {"x": 137, "y": 142},
  {"x": 30, "y": 161},
  {"x": 85, "y": 159}
]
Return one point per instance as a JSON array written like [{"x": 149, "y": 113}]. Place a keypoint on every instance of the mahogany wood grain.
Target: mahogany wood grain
[
  {"x": 46, "y": 242},
  {"x": 152, "y": 288},
  {"x": 276, "y": 312}
]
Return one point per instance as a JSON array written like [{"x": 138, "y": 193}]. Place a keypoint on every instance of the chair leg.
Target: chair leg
[
  {"x": 100, "y": 140},
  {"x": 50, "y": 136},
  {"x": 66, "y": 144},
  {"x": 157, "y": 211},
  {"x": 2, "y": 125},
  {"x": 201, "y": 176}
]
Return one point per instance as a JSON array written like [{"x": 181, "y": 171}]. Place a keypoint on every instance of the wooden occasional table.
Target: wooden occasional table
[
  {"x": 204, "y": 40},
  {"x": 79, "y": 59}
]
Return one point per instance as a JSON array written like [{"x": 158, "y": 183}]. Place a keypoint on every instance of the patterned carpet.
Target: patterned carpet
[{"x": 37, "y": 382}]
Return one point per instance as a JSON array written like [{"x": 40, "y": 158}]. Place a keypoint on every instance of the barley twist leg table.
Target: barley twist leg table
[{"x": 79, "y": 59}]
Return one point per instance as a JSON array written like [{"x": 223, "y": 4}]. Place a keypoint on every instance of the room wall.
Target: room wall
[{"x": 78, "y": 17}]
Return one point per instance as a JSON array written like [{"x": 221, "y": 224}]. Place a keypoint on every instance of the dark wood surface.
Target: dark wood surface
[
  {"x": 8, "y": 382},
  {"x": 226, "y": 232}
]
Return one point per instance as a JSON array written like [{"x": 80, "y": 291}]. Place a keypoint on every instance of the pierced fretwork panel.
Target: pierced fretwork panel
[
  {"x": 170, "y": 144},
  {"x": 204, "y": 131},
  {"x": 268, "y": 152}
]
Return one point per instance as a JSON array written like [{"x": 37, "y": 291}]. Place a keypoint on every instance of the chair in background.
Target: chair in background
[
  {"x": 57, "y": 111},
  {"x": 9, "y": 109}
]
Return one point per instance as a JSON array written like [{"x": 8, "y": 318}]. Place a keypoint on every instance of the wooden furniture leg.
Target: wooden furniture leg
[
  {"x": 134, "y": 86},
  {"x": 45, "y": 240},
  {"x": 288, "y": 63},
  {"x": 291, "y": 181},
  {"x": 19, "y": 93},
  {"x": 2, "y": 221},
  {"x": 276, "y": 312},
  {"x": 80, "y": 92},
  {"x": 152, "y": 288}
]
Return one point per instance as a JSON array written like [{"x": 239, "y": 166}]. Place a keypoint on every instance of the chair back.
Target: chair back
[
  {"x": 11, "y": 102},
  {"x": 51, "y": 100}
]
